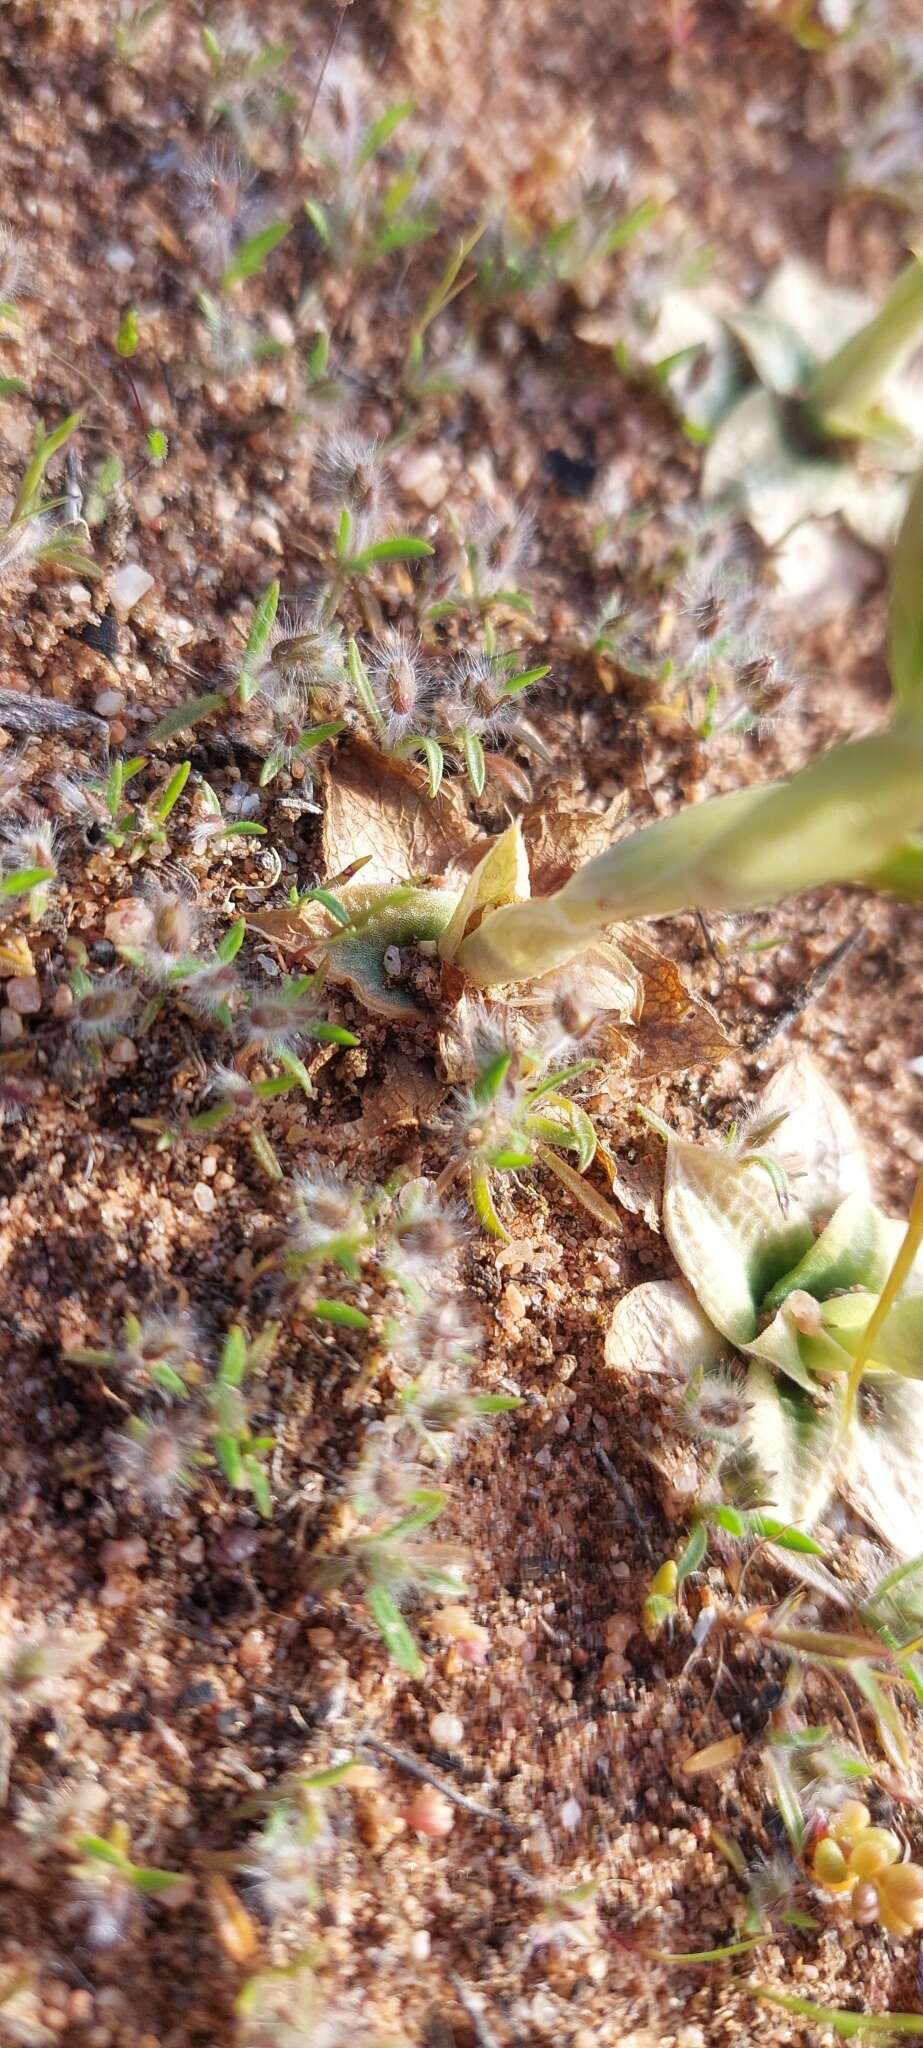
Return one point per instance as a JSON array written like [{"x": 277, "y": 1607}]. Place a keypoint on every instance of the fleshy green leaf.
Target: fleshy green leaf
[
  {"x": 728, "y": 1234},
  {"x": 855, "y": 1250},
  {"x": 659, "y": 1327},
  {"x": 793, "y": 1439}
]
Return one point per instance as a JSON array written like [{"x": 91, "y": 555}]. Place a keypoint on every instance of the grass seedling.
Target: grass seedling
[
  {"x": 358, "y": 215},
  {"x": 112, "y": 1888},
  {"x": 395, "y": 1563},
  {"x": 156, "y": 1354},
  {"x": 241, "y": 1454},
  {"x": 30, "y": 534}
]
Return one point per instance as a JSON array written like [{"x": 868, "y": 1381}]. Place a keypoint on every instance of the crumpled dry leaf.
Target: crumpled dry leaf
[
  {"x": 409, "y": 1096},
  {"x": 676, "y": 1029},
  {"x": 378, "y": 806},
  {"x": 818, "y": 1145},
  {"x": 637, "y": 1184},
  {"x": 660, "y": 1328},
  {"x": 560, "y": 834}
]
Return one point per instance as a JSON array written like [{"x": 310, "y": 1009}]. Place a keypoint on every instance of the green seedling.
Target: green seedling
[
  {"x": 235, "y": 344},
  {"x": 371, "y": 202},
  {"x": 156, "y": 1354},
  {"x": 790, "y": 1264},
  {"x": 31, "y": 533},
  {"x": 241, "y": 1454},
  {"x": 518, "y": 1115},
  {"x": 421, "y": 382},
  {"x": 525, "y": 255},
  {"x": 242, "y": 73},
  {"x": 28, "y": 866},
  {"x": 135, "y": 25},
  {"x": 129, "y": 335},
  {"x": 289, "y": 2006},
  {"x": 113, "y": 1888},
  {"x": 392, "y": 1564},
  {"x": 250, "y": 259},
  {"x": 242, "y": 1100},
  {"x": 101, "y": 494},
  {"x": 31, "y": 1670}
]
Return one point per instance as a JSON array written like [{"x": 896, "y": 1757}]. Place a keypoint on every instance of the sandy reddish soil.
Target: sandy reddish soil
[{"x": 223, "y": 1666}]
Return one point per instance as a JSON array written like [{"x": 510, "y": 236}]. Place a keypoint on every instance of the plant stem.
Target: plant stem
[
  {"x": 913, "y": 1238},
  {"x": 840, "y": 390}
]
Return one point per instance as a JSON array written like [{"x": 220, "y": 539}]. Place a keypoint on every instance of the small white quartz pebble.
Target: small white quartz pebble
[
  {"x": 204, "y": 1197},
  {"x": 129, "y": 585},
  {"x": 447, "y": 1731}
]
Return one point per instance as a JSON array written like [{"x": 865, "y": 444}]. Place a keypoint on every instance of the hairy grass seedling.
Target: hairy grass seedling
[{"x": 240, "y": 1453}]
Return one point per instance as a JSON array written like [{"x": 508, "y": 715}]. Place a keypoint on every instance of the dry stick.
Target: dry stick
[
  {"x": 473, "y": 2010},
  {"x": 34, "y": 715},
  {"x": 814, "y": 985},
  {"x": 415, "y": 1769}
]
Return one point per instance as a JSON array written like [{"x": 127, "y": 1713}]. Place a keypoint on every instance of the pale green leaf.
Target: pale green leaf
[
  {"x": 818, "y": 1145},
  {"x": 793, "y": 1438},
  {"x": 728, "y": 1234},
  {"x": 501, "y": 877},
  {"x": 853, "y": 1251},
  {"x": 660, "y": 1328}
]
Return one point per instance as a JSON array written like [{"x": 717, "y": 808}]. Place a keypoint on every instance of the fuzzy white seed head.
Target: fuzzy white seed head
[
  {"x": 327, "y": 1207},
  {"x": 14, "y": 264},
  {"x": 105, "y": 1008},
  {"x": 351, "y": 472},
  {"x": 477, "y": 700},
  {"x": 402, "y": 684},
  {"x": 154, "y": 1460},
  {"x": 33, "y": 843}
]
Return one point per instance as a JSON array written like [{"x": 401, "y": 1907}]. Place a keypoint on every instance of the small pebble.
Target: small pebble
[
  {"x": 124, "y": 1052},
  {"x": 571, "y": 1815},
  {"x": 204, "y": 1198},
  {"x": 129, "y": 584},
  {"x": 419, "y": 1945},
  {"x": 447, "y": 1731},
  {"x": 108, "y": 702},
  {"x": 129, "y": 922},
  {"x": 10, "y": 1027},
  {"x": 63, "y": 1002},
  {"x": 429, "y": 1813},
  {"x": 24, "y": 995}
]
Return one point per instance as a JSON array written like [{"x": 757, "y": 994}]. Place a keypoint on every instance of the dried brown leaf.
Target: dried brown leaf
[
  {"x": 636, "y": 1183},
  {"x": 676, "y": 1029},
  {"x": 561, "y": 834},
  {"x": 410, "y": 1095},
  {"x": 380, "y": 807}
]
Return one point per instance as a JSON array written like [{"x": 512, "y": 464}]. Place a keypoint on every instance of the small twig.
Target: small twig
[
  {"x": 34, "y": 715},
  {"x": 813, "y": 987},
  {"x": 415, "y": 1769},
  {"x": 474, "y": 2011}
]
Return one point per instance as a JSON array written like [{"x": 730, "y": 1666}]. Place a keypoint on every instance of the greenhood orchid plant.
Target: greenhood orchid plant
[
  {"x": 789, "y": 1264},
  {"x": 850, "y": 816}
]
